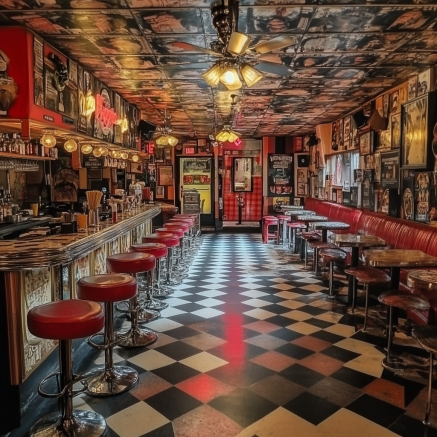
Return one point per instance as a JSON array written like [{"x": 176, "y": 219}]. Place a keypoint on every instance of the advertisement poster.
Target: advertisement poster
[
  {"x": 390, "y": 169},
  {"x": 280, "y": 175}
]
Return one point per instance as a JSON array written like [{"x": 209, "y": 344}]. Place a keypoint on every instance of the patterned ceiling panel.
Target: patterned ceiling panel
[{"x": 342, "y": 53}]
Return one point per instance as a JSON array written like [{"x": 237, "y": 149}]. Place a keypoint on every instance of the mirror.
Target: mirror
[{"x": 242, "y": 174}]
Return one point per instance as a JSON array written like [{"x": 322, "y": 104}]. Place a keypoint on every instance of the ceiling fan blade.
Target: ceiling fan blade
[
  {"x": 201, "y": 65},
  {"x": 238, "y": 43},
  {"x": 192, "y": 48},
  {"x": 270, "y": 67},
  {"x": 275, "y": 44}
]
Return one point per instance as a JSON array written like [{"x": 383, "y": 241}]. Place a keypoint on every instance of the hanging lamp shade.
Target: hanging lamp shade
[
  {"x": 86, "y": 149},
  {"x": 232, "y": 136},
  {"x": 96, "y": 152},
  {"x": 162, "y": 141},
  {"x": 172, "y": 141},
  {"x": 212, "y": 76},
  {"x": 48, "y": 140},
  {"x": 222, "y": 136},
  {"x": 230, "y": 79},
  {"x": 250, "y": 75},
  {"x": 70, "y": 145}
]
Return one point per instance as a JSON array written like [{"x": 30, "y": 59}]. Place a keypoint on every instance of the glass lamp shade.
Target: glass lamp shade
[
  {"x": 117, "y": 154},
  {"x": 104, "y": 151},
  {"x": 162, "y": 141},
  {"x": 135, "y": 158},
  {"x": 48, "y": 140},
  {"x": 238, "y": 43},
  {"x": 172, "y": 141},
  {"x": 232, "y": 136},
  {"x": 212, "y": 76},
  {"x": 86, "y": 149},
  {"x": 124, "y": 155},
  {"x": 251, "y": 75},
  {"x": 230, "y": 79},
  {"x": 70, "y": 145},
  {"x": 222, "y": 136},
  {"x": 96, "y": 152}
]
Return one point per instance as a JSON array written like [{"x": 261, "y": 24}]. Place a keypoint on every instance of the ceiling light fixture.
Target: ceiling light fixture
[
  {"x": 238, "y": 43},
  {"x": 227, "y": 134},
  {"x": 230, "y": 78},
  {"x": 48, "y": 140},
  {"x": 96, "y": 152},
  {"x": 86, "y": 149},
  {"x": 70, "y": 145},
  {"x": 250, "y": 75},
  {"x": 212, "y": 76},
  {"x": 135, "y": 158}
]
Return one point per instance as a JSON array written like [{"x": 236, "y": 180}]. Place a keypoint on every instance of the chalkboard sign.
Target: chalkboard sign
[{"x": 92, "y": 162}]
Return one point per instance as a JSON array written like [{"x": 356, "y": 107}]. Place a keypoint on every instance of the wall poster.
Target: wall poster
[
  {"x": 280, "y": 174},
  {"x": 390, "y": 169},
  {"x": 407, "y": 199}
]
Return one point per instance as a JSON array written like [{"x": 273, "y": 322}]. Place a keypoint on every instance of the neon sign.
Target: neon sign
[{"x": 105, "y": 115}]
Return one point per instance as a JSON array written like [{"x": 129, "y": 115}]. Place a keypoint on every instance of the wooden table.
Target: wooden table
[
  {"x": 329, "y": 226},
  {"x": 356, "y": 242},
  {"x": 423, "y": 279}
]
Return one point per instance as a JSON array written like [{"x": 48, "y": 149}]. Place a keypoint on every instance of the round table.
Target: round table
[{"x": 329, "y": 226}]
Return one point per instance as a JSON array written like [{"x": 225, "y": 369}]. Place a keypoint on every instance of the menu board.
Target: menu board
[{"x": 280, "y": 180}]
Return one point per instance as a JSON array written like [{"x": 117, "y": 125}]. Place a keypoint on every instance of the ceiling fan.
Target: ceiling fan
[{"x": 236, "y": 58}]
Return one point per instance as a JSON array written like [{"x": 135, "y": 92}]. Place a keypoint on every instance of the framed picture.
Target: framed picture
[
  {"x": 424, "y": 82},
  {"x": 415, "y": 133},
  {"x": 390, "y": 177},
  {"x": 159, "y": 192},
  {"x": 366, "y": 143},
  {"x": 396, "y": 131},
  {"x": 297, "y": 144},
  {"x": 395, "y": 103},
  {"x": 412, "y": 88},
  {"x": 165, "y": 175},
  {"x": 377, "y": 166},
  {"x": 242, "y": 174},
  {"x": 347, "y": 133},
  {"x": 136, "y": 167}
]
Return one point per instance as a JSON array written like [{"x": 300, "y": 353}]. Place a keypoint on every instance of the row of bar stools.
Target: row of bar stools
[
  {"x": 133, "y": 263},
  {"x": 366, "y": 276},
  {"x": 331, "y": 256},
  {"x": 293, "y": 227},
  {"x": 268, "y": 221},
  {"x": 65, "y": 321}
]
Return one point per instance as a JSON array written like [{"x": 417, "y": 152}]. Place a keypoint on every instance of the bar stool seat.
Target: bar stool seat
[
  {"x": 109, "y": 379},
  {"x": 159, "y": 250},
  {"x": 134, "y": 263},
  {"x": 266, "y": 235},
  {"x": 177, "y": 225},
  {"x": 331, "y": 256},
  {"x": 65, "y": 321},
  {"x": 179, "y": 232},
  {"x": 403, "y": 300},
  {"x": 367, "y": 276}
]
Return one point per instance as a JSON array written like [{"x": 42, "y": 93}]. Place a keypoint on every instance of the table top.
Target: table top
[
  {"x": 312, "y": 218},
  {"x": 330, "y": 225},
  {"x": 398, "y": 258},
  {"x": 424, "y": 279},
  {"x": 300, "y": 212},
  {"x": 357, "y": 240},
  {"x": 291, "y": 207}
]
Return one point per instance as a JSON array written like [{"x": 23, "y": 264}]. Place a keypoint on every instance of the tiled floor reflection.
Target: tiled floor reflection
[{"x": 250, "y": 347}]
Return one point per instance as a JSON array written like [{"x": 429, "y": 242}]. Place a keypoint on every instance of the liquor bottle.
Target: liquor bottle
[{"x": 2, "y": 192}]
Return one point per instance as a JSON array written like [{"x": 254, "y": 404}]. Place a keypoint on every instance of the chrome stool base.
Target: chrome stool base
[
  {"x": 137, "y": 338},
  {"x": 147, "y": 316},
  {"x": 108, "y": 382},
  {"x": 155, "y": 304},
  {"x": 83, "y": 424}
]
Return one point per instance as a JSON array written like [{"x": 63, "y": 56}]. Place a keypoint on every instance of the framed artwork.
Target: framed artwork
[
  {"x": 137, "y": 167},
  {"x": 242, "y": 174},
  {"x": 297, "y": 144},
  {"x": 165, "y": 175},
  {"x": 395, "y": 103},
  {"x": 396, "y": 131},
  {"x": 412, "y": 88},
  {"x": 366, "y": 143},
  {"x": 390, "y": 177},
  {"x": 385, "y": 105},
  {"x": 415, "y": 133},
  {"x": 385, "y": 139},
  {"x": 347, "y": 133},
  {"x": 159, "y": 192},
  {"x": 377, "y": 166},
  {"x": 424, "y": 82}
]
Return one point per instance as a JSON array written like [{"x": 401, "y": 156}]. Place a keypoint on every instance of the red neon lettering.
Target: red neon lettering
[{"x": 106, "y": 116}]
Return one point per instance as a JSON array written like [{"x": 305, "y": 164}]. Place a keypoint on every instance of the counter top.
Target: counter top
[
  {"x": 9, "y": 228},
  {"x": 61, "y": 249}
]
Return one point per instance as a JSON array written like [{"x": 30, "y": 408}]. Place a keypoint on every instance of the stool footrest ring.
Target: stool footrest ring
[
  {"x": 76, "y": 379},
  {"x": 105, "y": 346}
]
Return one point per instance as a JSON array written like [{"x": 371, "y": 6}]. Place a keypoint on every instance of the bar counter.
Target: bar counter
[{"x": 44, "y": 269}]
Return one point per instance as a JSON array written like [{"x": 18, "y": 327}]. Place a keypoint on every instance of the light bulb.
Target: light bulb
[
  {"x": 172, "y": 141},
  {"x": 86, "y": 149},
  {"x": 135, "y": 158},
  {"x": 230, "y": 79},
  {"x": 96, "y": 152},
  {"x": 117, "y": 154},
  {"x": 104, "y": 151},
  {"x": 70, "y": 145},
  {"x": 124, "y": 155},
  {"x": 48, "y": 140}
]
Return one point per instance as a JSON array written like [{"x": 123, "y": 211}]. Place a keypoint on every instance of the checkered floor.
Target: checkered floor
[{"x": 251, "y": 347}]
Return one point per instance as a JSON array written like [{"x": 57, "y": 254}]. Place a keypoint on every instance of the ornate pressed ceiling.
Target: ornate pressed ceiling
[{"x": 345, "y": 52}]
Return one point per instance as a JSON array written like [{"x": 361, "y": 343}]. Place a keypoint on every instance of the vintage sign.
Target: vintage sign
[{"x": 280, "y": 175}]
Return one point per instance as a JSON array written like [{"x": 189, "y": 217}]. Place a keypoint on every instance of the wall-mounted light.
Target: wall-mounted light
[
  {"x": 104, "y": 151},
  {"x": 48, "y": 139},
  {"x": 135, "y": 158},
  {"x": 96, "y": 152},
  {"x": 124, "y": 155},
  {"x": 86, "y": 149},
  {"x": 70, "y": 145}
]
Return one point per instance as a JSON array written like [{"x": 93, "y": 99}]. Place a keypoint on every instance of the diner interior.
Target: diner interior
[{"x": 218, "y": 218}]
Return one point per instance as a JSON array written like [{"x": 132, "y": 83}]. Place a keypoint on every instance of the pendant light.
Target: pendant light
[
  {"x": 162, "y": 141},
  {"x": 212, "y": 76},
  {"x": 96, "y": 152},
  {"x": 230, "y": 79},
  {"x": 172, "y": 141},
  {"x": 48, "y": 140},
  {"x": 70, "y": 145},
  {"x": 250, "y": 75},
  {"x": 86, "y": 149},
  {"x": 135, "y": 158},
  {"x": 104, "y": 151}
]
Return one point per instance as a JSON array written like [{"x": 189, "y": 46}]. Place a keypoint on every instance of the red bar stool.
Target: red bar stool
[
  {"x": 283, "y": 220},
  {"x": 188, "y": 227},
  {"x": 267, "y": 222},
  {"x": 179, "y": 233},
  {"x": 159, "y": 251},
  {"x": 133, "y": 264},
  {"x": 66, "y": 320},
  {"x": 171, "y": 242},
  {"x": 109, "y": 379}
]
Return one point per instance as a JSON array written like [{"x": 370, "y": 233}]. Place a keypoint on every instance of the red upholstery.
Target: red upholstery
[
  {"x": 283, "y": 218},
  {"x": 189, "y": 222},
  {"x": 66, "y": 319},
  {"x": 296, "y": 225},
  {"x": 266, "y": 235},
  {"x": 168, "y": 239},
  {"x": 131, "y": 262},
  {"x": 109, "y": 287},
  {"x": 158, "y": 250},
  {"x": 175, "y": 231},
  {"x": 179, "y": 225}
]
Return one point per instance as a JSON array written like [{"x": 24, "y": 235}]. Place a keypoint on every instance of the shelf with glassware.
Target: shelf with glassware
[{"x": 30, "y": 157}]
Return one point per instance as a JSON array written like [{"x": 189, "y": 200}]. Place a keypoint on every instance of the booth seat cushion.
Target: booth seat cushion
[{"x": 320, "y": 207}]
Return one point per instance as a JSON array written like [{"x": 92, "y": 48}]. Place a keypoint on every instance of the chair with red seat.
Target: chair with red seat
[
  {"x": 135, "y": 263},
  {"x": 186, "y": 229},
  {"x": 159, "y": 251},
  {"x": 179, "y": 268},
  {"x": 171, "y": 242},
  {"x": 109, "y": 379},
  {"x": 266, "y": 235},
  {"x": 65, "y": 321}
]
